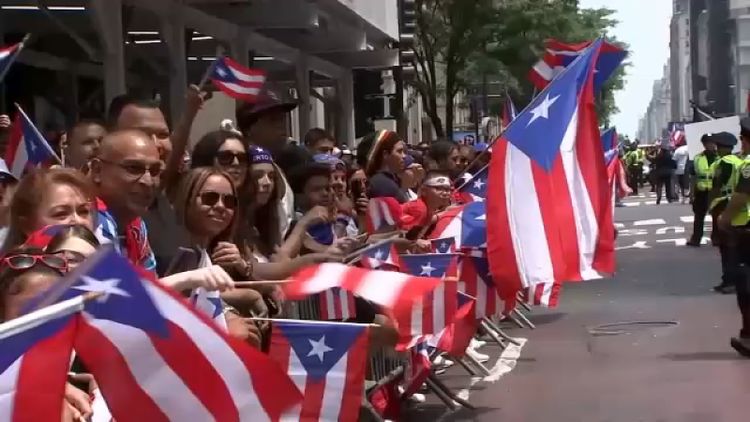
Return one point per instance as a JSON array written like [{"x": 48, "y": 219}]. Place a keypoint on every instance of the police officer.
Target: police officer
[
  {"x": 735, "y": 220},
  {"x": 634, "y": 163},
  {"x": 702, "y": 183},
  {"x": 726, "y": 172}
]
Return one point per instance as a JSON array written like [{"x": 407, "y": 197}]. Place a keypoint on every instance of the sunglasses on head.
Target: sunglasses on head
[
  {"x": 26, "y": 261},
  {"x": 211, "y": 198},
  {"x": 226, "y": 158}
]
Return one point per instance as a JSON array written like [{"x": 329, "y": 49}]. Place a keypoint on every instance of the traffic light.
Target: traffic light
[{"x": 406, "y": 38}]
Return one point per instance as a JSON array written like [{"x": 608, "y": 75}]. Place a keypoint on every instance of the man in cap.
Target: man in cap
[
  {"x": 735, "y": 220},
  {"x": 702, "y": 183},
  {"x": 264, "y": 123},
  {"x": 726, "y": 173}
]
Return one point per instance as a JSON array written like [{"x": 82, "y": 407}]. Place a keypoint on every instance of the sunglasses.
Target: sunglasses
[
  {"x": 226, "y": 158},
  {"x": 26, "y": 261},
  {"x": 210, "y": 198},
  {"x": 137, "y": 170}
]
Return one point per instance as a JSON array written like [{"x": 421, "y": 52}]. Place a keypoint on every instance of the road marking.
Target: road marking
[
  {"x": 691, "y": 218},
  {"x": 619, "y": 225},
  {"x": 650, "y": 202},
  {"x": 681, "y": 241},
  {"x": 641, "y": 244},
  {"x": 505, "y": 363},
  {"x": 631, "y": 204},
  {"x": 632, "y": 232},
  {"x": 652, "y": 222},
  {"x": 675, "y": 229}
]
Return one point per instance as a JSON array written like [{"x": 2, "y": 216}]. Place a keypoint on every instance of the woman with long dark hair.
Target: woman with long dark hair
[{"x": 382, "y": 156}]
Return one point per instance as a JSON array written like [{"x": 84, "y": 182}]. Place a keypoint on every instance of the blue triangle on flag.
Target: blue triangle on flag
[
  {"x": 482, "y": 268},
  {"x": 380, "y": 253},
  {"x": 319, "y": 346},
  {"x": 474, "y": 225},
  {"x": 14, "y": 346},
  {"x": 540, "y": 129}
]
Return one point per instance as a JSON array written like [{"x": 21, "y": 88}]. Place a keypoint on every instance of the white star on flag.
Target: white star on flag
[
  {"x": 482, "y": 217},
  {"x": 542, "y": 110},
  {"x": 108, "y": 287},
  {"x": 427, "y": 270},
  {"x": 221, "y": 72},
  {"x": 478, "y": 184},
  {"x": 319, "y": 348},
  {"x": 379, "y": 255}
]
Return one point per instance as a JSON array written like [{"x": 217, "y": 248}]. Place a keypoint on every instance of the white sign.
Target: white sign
[{"x": 694, "y": 132}]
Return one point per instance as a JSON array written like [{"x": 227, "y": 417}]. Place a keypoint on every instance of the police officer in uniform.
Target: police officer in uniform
[
  {"x": 735, "y": 220},
  {"x": 702, "y": 182},
  {"x": 634, "y": 163},
  {"x": 726, "y": 172}
]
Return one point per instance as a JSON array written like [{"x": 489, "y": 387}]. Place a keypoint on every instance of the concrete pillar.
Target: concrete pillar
[
  {"x": 239, "y": 48},
  {"x": 173, "y": 33},
  {"x": 107, "y": 18},
  {"x": 345, "y": 123},
  {"x": 303, "y": 92}
]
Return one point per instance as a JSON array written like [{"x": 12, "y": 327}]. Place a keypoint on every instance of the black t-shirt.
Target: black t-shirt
[
  {"x": 385, "y": 184},
  {"x": 165, "y": 234}
]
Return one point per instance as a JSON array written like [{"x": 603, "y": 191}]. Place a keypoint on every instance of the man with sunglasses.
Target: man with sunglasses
[{"x": 126, "y": 176}]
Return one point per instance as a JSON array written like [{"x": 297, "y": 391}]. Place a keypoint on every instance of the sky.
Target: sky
[{"x": 644, "y": 24}]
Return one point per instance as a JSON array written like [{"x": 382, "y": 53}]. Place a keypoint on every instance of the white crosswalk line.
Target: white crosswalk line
[
  {"x": 675, "y": 229},
  {"x": 651, "y": 222},
  {"x": 632, "y": 232},
  {"x": 650, "y": 203},
  {"x": 681, "y": 241},
  {"x": 631, "y": 204},
  {"x": 619, "y": 225},
  {"x": 691, "y": 218}
]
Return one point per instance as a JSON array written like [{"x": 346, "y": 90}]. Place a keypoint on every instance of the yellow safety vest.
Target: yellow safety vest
[
  {"x": 728, "y": 188},
  {"x": 703, "y": 173},
  {"x": 743, "y": 217}
]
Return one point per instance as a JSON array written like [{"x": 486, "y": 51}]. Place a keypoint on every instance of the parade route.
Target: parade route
[{"x": 681, "y": 369}]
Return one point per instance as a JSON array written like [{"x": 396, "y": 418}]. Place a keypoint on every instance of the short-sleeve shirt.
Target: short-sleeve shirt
[
  {"x": 385, "y": 184},
  {"x": 130, "y": 242}
]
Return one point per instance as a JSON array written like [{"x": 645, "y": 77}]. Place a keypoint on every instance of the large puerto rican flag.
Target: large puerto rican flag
[
  {"x": 548, "y": 192},
  {"x": 559, "y": 55},
  {"x": 327, "y": 363},
  {"x": 156, "y": 358},
  {"x": 26, "y": 146},
  {"x": 236, "y": 80}
]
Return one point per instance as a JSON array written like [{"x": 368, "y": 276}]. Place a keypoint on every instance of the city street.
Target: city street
[{"x": 681, "y": 369}]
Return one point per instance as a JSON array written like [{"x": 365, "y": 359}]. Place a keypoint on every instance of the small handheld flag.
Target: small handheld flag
[
  {"x": 235, "y": 80},
  {"x": 27, "y": 146}
]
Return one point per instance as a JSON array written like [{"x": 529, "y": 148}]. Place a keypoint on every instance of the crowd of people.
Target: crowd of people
[{"x": 240, "y": 203}]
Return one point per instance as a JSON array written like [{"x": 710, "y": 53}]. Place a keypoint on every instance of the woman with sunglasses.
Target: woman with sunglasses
[
  {"x": 73, "y": 242},
  {"x": 206, "y": 205},
  {"x": 49, "y": 197},
  {"x": 224, "y": 150},
  {"x": 24, "y": 274}
]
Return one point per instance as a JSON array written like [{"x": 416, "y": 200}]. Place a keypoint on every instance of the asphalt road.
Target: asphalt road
[{"x": 680, "y": 370}]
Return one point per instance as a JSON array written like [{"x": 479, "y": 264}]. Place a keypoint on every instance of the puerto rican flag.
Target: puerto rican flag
[
  {"x": 439, "y": 306},
  {"x": 542, "y": 294},
  {"x": 157, "y": 358},
  {"x": 610, "y": 144},
  {"x": 456, "y": 336},
  {"x": 676, "y": 133},
  {"x": 382, "y": 213},
  {"x": 382, "y": 256},
  {"x": 559, "y": 55},
  {"x": 26, "y": 146},
  {"x": 336, "y": 304},
  {"x": 390, "y": 289},
  {"x": 466, "y": 224},
  {"x": 476, "y": 281},
  {"x": 550, "y": 199},
  {"x": 475, "y": 188},
  {"x": 417, "y": 369},
  {"x": 327, "y": 363},
  {"x": 236, "y": 80},
  {"x": 210, "y": 304},
  {"x": 34, "y": 362},
  {"x": 443, "y": 245},
  {"x": 509, "y": 111}
]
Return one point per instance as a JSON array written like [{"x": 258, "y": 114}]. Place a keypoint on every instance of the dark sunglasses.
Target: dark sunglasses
[
  {"x": 211, "y": 198},
  {"x": 226, "y": 158},
  {"x": 26, "y": 261},
  {"x": 137, "y": 170}
]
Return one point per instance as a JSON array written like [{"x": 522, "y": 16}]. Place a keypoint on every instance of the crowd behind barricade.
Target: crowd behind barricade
[{"x": 226, "y": 221}]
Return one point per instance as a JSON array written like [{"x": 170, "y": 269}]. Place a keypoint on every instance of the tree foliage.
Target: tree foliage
[{"x": 461, "y": 44}]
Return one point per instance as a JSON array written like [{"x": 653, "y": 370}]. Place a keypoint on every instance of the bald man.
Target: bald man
[{"x": 126, "y": 176}]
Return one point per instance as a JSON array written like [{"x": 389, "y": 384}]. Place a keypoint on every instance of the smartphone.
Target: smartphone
[{"x": 358, "y": 189}]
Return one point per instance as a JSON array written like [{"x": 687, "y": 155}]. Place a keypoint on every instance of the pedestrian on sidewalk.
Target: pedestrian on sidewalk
[
  {"x": 681, "y": 156},
  {"x": 702, "y": 183},
  {"x": 736, "y": 221}
]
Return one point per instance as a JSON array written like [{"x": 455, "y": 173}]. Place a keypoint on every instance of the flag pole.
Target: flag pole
[
  {"x": 38, "y": 317},
  {"x": 13, "y": 58},
  {"x": 54, "y": 154}
]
